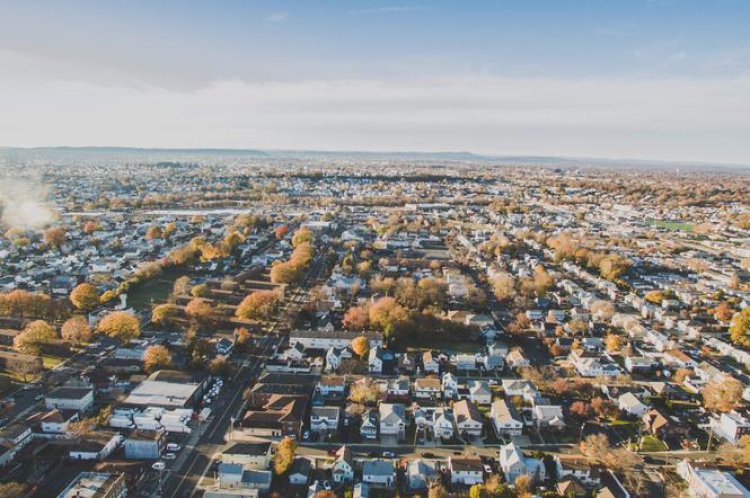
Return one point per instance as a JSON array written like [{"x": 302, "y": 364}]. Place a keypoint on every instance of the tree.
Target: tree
[
  {"x": 201, "y": 290},
  {"x": 361, "y": 346},
  {"x": 356, "y": 318},
  {"x": 602, "y": 310},
  {"x": 181, "y": 285},
  {"x": 739, "y": 331},
  {"x": 604, "y": 408},
  {"x": 55, "y": 236},
  {"x": 387, "y": 315},
  {"x": 302, "y": 236},
  {"x": 613, "y": 343},
  {"x": 596, "y": 447},
  {"x": 581, "y": 410},
  {"x": 285, "y": 273},
  {"x": 199, "y": 310},
  {"x": 522, "y": 484},
  {"x": 12, "y": 489},
  {"x": 156, "y": 357},
  {"x": 436, "y": 490},
  {"x": 85, "y": 297},
  {"x": 76, "y": 330},
  {"x": 34, "y": 336},
  {"x": 723, "y": 312},
  {"x": 154, "y": 232},
  {"x": 280, "y": 231},
  {"x": 165, "y": 314},
  {"x": 284, "y": 455},
  {"x": 722, "y": 396},
  {"x": 504, "y": 286},
  {"x": 259, "y": 305},
  {"x": 120, "y": 325},
  {"x": 364, "y": 392},
  {"x": 220, "y": 367}
]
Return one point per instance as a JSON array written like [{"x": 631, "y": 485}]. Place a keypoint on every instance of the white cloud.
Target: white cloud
[
  {"x": 672, "y": 119},
  {"x": 278, "y": 17}
]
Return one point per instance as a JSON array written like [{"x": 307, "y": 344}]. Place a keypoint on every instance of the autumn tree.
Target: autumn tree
[
  {"x": 284, "y": 457},
  {"x": 387, "y": 315},
  {"x": 365, "y": 392},
  {"x": 220, "y": 367},
  {"x": 504, "y": 286},
  {"x": 280, "y": 231},
  {"x": 156, "y": 357},
  {"x": 437, "y": 490},
  {"x": 165, "y": 314},
  {"x": 201, "y": 290},
  {"x": 722, "y": 396},
  {"x": 120, "y": 325},
  {"x": 361, "y": 346},
  {"x": 604, "y": 408},
  {"x": 356, "y": 318},
  {"x": 36, "y": 334},
  {"x": 154, "y": 232},
  {"x": 739, "y": 331},
  {"x": 259, "y": 305},
  {"x": 603, "y": 310},
  {"x": 76, "y": 330},
  {"x": 181, "y": 286},
  {"x": 581, "y": 410},
  {"x": 723, "y": 312},
  {"x": 613, "y": 343},
  {"x": 54, "y": 237},
  {"x": 85, "y": 297},
  {"x": 302, "y": 236},
  {"x": 199, "y": 310},
  {"x": 12, "y": 489}
]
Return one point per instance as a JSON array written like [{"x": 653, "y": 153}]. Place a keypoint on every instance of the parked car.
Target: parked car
[
  {"x": 174, "y": 447},
  {"x": 170, "y": 456},
  {"x": 389, "y": 454},
  {"x": 159, "y": 465}
]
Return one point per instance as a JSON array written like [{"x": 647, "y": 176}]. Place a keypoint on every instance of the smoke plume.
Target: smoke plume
[{"x": 23, "y": 204}]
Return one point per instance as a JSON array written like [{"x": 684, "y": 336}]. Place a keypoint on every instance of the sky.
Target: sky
[{"x": 635, "y": 79}]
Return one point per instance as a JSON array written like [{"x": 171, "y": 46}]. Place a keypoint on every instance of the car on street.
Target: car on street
[
  {"x": 389, "y": 454},
  {"x": 159, "y": 465},
  {"x": 170, "y": 456}
]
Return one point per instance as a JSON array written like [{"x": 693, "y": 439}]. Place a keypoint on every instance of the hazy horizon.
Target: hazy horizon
[{"x": 650, "y": 80}]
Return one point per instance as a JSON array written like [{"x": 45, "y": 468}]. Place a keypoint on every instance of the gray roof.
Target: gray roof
[{"x": 378, "y": 468}]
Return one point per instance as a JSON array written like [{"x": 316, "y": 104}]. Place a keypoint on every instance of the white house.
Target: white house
[
  {"x": 630, "y": 404},
  {"x": 343, "y": 467},
  {"x": 513, "y": 463},
  {"x": 450, "y": 385},
  {"x": 324, "y": 419},
  {"x": 392, "y": 420},
  {"x": 443, "y": 423},
  {"x": 710, "y": 483},
  {"x": 468, "y": 418},
  {"x": 428, "y": 388},
  {"x": 80, "y": 399},
  {"x": 505, "y": 420},
  {"x": 379, "y": 473},
  {"x": 467, "y": 470},
  {"x": 480, "y": 392},
  {"x": 577, "y": 467}
]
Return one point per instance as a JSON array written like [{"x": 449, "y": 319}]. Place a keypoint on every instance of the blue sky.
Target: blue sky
[{"x": 652, "y": 79}]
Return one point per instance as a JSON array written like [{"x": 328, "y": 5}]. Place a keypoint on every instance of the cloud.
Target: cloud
[
  {"x": 387, "y": 10},
  {"x": 666, "y": 118},
  {"x": 278, "y": 17}
]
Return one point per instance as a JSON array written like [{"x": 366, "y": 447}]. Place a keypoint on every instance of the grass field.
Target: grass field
[
  {"x": 653, "y": 443},
  {"x": 140, "y": 297},
  {"x": 672, "y": 225}
]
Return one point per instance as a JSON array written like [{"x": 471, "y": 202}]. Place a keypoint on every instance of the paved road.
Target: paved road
[{"x": 182, "y": 481}]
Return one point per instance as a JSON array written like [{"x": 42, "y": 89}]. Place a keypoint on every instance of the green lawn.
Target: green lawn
[
  {"x": 652, "y": 443},
  {"x": 51, "y": 361},
  {"x": 672, "y": 225}
]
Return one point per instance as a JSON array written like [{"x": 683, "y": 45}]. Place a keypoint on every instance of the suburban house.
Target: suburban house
[
  {"x": 343, "y": 467},
  {"x": 577, "y": 467},
  {"x": 428, "y": 388},
  {"x": 379, "y": 473},
  {"x": 513, "y": 463},
  {"x": 392, "y": 420},
  {"x": 466, "y": 470},
  {"x": 505, "y": 419},
  {"x": 469, "y": 421}
]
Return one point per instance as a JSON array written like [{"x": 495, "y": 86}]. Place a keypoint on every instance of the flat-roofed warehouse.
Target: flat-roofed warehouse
[{"x": 169, "y": 389}]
